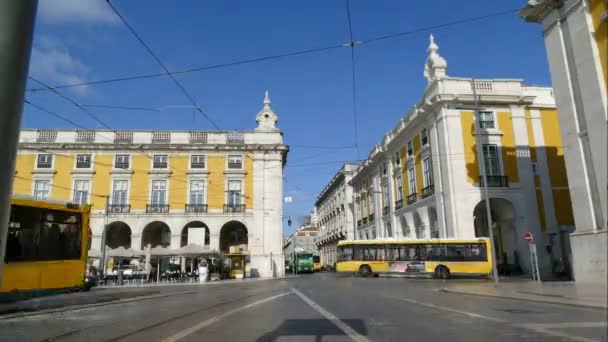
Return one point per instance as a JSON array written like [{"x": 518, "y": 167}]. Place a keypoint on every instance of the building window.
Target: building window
[
  {"x": 197, "y": 192},
  {"x": 83, "y": 161},
  {"x": 234, "y": 193},
  {"x": 197, "y": 162},
  {"x": 371, "y": 198},
  {"x": 159, "y": 192},
  {"x": 412, "y": 179},
  {"x": 397, "y": 159},
  {"x": 385, "y": 193},
  {"x": 81, "y": 191},
  {"x": 364, "y": 204},
  {"x": 424, "y": 136},
  {"x": 160, "y": 162},
  {"x": 410, "y": 149},
  {"x": 486, "y": 120},
  {"x": 119, "y": 192},
  {"x": 41, "y": 189},
  {"x": 426, "y": 169},
  {"x": 45, "y": 161},
  {"x": 121, "y": 161},
  {"x": 235, "y": 162},
  {"x": 490, "y": 156},
  {"x": 399, "y": 187}
]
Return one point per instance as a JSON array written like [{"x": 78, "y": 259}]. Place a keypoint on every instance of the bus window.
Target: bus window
[
  {"x": 455, "y": 252},
  {"x": 380, "y": 251},
  {"x": 345, "y": 253},
  {"x": 39, "y": 234}
]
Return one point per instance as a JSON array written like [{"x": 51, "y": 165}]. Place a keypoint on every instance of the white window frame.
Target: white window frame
[
  {"x": 205, "y": 189},
  {"x": 159, "y": 179},
  {"x": 411, "y": 177},
  {"x": 128, "y": 160},
  {"x": 154, "y": 160},
  {"x": 42, "y": 179},
  {"x": 234, "y": 156},
  {"x": 497, "y": 158},
  {"x": 399, "y": 181},
  {"x": 397, "y": 159},
  {"x": 128, "y": 181},
  {"x": 90, "y": 161},
  {"x": 427, "y": 172},
  {"x": 492, "y": 114},
  {"x": 232, "y": 179},
  {"x": 192, "y": 159},
  {"x": 409, "y": 147},
  {"x": 424, "y": 133},
  {"x": 88, "y": 191},
  {"x": 52, "y": 161}
]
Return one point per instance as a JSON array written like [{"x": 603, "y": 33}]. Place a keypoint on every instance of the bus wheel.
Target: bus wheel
[
  {"x": 365, "y": 271},
  {"x": 442, "y": 272}
]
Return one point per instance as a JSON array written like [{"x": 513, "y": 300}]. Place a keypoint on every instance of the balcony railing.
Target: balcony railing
[
  {"x": 412, "y": 198},
  {"x": 198, "y": 137},
  {"x": 46, "y": 136},
  {"x": 428, "y": 191},
  {"x": 386, "y": 210},
  {"x": 123, "y": 137},
  {"x": 398, "y": 204},
  {"x": 121, "y": 165},
  {"x": 495, "y": 181},
  {"x": 235, "y": 165},
  {"x": 372, "y": 217},
  {"x": 234, "y": 208},
  {"x": 196, "y": 208},
  {"x": 365, "y": 220},
  {"x": 119, "y": 208},
  {"x": 237, "y": 138},
  {"x": 157, "y": 208},
  {"x": 83, "y": 164}
]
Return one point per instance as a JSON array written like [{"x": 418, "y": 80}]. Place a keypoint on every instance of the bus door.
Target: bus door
[{"x": 237, "y": 266}]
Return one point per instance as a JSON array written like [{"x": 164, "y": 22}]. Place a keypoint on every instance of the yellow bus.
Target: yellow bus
[
  {"x": 316, "y": 259},
  {"x": 437, "y": 258},
  {"x": 46, "y": 246}
]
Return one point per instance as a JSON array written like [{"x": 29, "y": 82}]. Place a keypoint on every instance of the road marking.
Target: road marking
[
  {"x": 350, "y": 332},
  {"x": 541, "y": 328},
  {"x": 566, "y": 325},
  {"x": 212, "y": 320}
]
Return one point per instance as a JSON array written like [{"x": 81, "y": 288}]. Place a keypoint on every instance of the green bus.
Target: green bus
[{"x": 305, "y": 263}]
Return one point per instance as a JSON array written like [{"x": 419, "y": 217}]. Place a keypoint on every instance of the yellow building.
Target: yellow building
[
  {"x": 221, "y": 190},
  {"x": 576, "y": 38},
  {"x": 423, "y": 180}
]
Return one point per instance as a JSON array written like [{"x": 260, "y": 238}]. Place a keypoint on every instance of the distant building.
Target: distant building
[
  {"x": 576, "y": 37},
  {"x": 301, "y": 241},
  {"x": 334, "y": 211},
  {"x": 423, "y": 181},
  {"x": 222, "y": 190}
]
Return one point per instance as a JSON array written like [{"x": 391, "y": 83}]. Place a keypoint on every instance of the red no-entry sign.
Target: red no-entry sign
[{"x": 528, "y": 237}]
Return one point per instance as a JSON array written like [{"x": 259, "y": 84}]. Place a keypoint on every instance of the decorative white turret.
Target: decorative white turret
[
  {"x": 435, "y": 66},
  {"x": 266, "y": 118}
]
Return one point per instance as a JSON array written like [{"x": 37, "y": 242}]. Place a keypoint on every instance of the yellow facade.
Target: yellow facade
[
  {"x": 418, "y": 163},
  {"x": 467, "y": 122},
  {"x": 599, "y": 8},
  {"x": 507, "y": 142},
  {"x": 63, "y": 175}
]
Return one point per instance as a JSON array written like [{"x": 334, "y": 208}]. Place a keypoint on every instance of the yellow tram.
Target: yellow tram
[{"x": 46, "y": 246}]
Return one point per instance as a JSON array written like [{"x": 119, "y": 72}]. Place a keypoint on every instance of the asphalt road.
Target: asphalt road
[{"x": 319, "y": 307}]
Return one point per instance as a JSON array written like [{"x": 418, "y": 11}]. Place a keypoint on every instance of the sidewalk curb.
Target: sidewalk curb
[
  {"x": 77, "y": 307},
  {"x": 588, "y": 306}
]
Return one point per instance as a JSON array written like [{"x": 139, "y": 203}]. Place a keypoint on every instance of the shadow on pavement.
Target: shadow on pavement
[{"x": 312, "y": 327}]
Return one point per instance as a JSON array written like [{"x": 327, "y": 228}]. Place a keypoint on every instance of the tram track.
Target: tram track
[{"x": 223, "y": 302}]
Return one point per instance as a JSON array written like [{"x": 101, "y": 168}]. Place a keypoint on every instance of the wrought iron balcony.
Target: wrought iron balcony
[
  {"x": 495, "y": 181},
  {"x": 234, "y": 208},
  {"x": 372, "y": 217},
  {"x": 157, "y": 208},
  {"x": 119, "y": 208},
  {"x": 412, "y": 198},
  {"x": 386, "y": 210},
  {"x": 196, "y": 208},
  {"x": 399, "y": 204},
  {"x": 428, "y": 191}
]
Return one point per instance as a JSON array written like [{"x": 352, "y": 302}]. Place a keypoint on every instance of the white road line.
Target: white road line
[
  {"x": 542, "y": 328},
  {"x": 180, "y": 335},
  {"x": 350, "y": 332},
  {"x": 566, "y": 325}
]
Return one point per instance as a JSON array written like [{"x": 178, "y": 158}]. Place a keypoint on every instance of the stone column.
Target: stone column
[
  {"x": 136, "y": 242},
  {"x": 391, "y": 198}
]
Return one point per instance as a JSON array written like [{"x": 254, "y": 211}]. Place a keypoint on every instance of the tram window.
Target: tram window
[
  {"x": 38, "y": 234},
  {"x": 380, "y": 251}
]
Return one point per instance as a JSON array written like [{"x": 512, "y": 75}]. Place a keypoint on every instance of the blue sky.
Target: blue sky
[{"x": 82, "y": 40}]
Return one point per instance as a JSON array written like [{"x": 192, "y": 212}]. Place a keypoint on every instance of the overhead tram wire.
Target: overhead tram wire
[
  {"x": 179, "y": 85},
  {"x": 287, "y": 54},
  {"x": 71, "y": 101}
]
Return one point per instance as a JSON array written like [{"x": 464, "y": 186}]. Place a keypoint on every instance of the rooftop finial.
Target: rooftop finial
[
  {"x": 432, "y": 46},
  {"x": 267, "y": 99}
]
